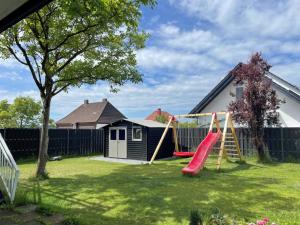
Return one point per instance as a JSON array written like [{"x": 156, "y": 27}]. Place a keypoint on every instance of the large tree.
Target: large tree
[
  {"x": 74, "y": 42},
  {"x": 258, "y": 105}
]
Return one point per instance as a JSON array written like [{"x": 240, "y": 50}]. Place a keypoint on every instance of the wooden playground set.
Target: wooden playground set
[{"x": 224, "y": 142}]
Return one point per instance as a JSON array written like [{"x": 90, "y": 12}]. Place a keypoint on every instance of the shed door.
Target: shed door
[
  {"x": 122, "y": 143},
  {"x": 117, "y": 142},
  {"x": 113, "y": 142}
]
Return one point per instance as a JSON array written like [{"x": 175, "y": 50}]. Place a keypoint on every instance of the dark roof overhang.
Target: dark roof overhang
[{"x": 18, "y": 10}]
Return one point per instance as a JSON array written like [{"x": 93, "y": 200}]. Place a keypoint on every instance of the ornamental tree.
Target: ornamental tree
[
  {"x": 259, "y": 103},
  {"x": 72, "y": 43},
  {"x": 26, "y": 112},
  {"x": 6, "y": 118}
]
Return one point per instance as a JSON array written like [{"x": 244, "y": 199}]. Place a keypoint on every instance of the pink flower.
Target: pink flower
[
  {"x": 266, "y": 219},
  {"x": 261, "y": 222}
]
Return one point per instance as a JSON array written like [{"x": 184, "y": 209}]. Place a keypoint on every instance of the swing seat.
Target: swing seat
[{"x": 183, "y": 154}]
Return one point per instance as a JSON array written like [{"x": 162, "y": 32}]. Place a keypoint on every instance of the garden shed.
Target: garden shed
[{"x": 136, "y": 139}]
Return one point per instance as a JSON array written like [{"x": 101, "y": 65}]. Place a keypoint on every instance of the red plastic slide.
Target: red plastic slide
[{"x": 203, "y": 150}]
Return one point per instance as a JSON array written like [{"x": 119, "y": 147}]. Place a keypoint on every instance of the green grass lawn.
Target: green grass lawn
[{"x": 98, "y": 192}]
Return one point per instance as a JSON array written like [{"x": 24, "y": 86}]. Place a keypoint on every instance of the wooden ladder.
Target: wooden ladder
[{"x": 229, "y": 147}]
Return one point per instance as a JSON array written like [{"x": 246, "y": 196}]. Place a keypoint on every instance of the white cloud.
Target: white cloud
[
  {"x": 13, "y": 76},
  {"x": 11, "y": 64},
  {"x": 288, "y": 71},
  {"x": 167, "y": 30},
  {"x": 11, "y": 95},
  {"x": 257, "y": 18},
  {"x": 157, "y": 58},
  {"x": 177, "y": 95}
]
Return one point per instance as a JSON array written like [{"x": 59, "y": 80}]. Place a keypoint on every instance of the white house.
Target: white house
[{"x": 225, "y": 92}]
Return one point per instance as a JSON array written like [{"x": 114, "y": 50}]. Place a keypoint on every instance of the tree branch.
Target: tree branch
[
  {"x": 15, "y": 55},
  {"x": 57, "y": 91},
  {"x": 38, "y": 69},
  {"x": 73, "y": 57},
  {"x": 39, "y": 85},
  {"x": 71, "y": 35}
]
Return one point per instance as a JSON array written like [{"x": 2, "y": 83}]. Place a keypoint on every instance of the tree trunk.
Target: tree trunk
[
  {"x": 259, "y": 144},
  {"x": 44, "y": 139}
]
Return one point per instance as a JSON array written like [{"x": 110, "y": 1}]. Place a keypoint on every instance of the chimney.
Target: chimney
[
  {"x": 158, "y": 111},
  {"x": 104, "y": 100},
  {"x": 86, "y": 101}
]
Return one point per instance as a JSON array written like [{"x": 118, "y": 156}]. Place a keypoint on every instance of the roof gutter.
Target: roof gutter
[{"x": 21, "y": 12}]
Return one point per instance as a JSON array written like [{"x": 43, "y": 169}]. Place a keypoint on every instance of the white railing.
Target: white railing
[{"x": 9, "y": 172}]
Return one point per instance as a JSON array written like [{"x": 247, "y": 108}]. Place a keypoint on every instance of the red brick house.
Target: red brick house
[{"x": 157, "y": 113}]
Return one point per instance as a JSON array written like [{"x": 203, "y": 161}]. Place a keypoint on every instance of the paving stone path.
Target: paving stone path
[{"x": 28, "y": 215}]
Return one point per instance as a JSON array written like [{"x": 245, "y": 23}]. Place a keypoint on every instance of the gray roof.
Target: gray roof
[
  {"x": 141, "y": 122},
  {"x": 283, "y": 85},
  {"x": 147, "y": 123},
  {"x": 98, "y": 112}
]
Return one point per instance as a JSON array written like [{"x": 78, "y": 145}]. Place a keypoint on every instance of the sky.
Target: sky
[{"x": 193, "y": 45}]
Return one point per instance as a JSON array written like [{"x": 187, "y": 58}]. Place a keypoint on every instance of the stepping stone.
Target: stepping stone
[
  {"x": 54, "y": 220},
  {"x": 27, "y": 215},
  {"x": 26, "y": 209},
  {"x": 31, "y": 216},
  {"x": 33, "y": 223}
]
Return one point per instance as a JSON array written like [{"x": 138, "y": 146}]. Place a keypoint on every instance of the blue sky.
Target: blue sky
[{"x": 193, "y": 44}]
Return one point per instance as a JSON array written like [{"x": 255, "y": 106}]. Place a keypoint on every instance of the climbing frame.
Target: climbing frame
[
  {"x": 229, "y": 145},
  {"x": 229, "y": 148}
]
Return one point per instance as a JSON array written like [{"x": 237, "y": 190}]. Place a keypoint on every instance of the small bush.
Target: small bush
[
  {"x": 217, "y": 218},
  {"x": 71, "y": 221},
  {"x": 21, "y": 198},
  {"x": 195, "y": 218},
  {"x": 44, "y": 211}
]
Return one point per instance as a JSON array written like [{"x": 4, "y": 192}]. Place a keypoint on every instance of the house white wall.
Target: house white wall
[{"x": 289, "y": 112}]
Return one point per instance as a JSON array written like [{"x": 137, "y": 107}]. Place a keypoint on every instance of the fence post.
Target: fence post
[
  {"x": 68, "y": 143},
  {"x": 281, "y": 141},
  {"x": 91, "y": 142}
]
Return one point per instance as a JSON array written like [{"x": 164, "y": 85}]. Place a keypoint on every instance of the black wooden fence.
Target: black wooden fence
[
  {"x": 25, "y": 142},
  {"x": 283, "y": 143}
]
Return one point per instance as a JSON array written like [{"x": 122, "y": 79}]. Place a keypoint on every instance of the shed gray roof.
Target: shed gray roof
[
  {"x": 147, "y": 123},
  {"x": 283, "y": 85}
]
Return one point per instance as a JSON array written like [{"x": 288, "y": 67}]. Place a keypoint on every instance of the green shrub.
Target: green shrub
[
  {"x": 21, "y": 198},
  {"x": 161, "y": 119},
  {"x": 71, "y": 221},
  {"x": 195, "y": 218},
  {"x": 44, "y": 211},
  {"x": 217, "y": 218}
]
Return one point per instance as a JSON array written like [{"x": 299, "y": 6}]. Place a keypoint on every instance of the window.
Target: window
[
  {"x": 113, "y": 135},
  {"x": 121, "y": 134},
  {"x": 239, "y": 91},
  {"x": 136, "y": 133}
]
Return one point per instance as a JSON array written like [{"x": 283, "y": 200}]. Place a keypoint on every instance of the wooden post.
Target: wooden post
[
  {"x": 235, "y": 137},
  {"x": 174, "y": 126},
  {"x": 222, "y": 148},
  {"x": 161, "y": 140},
  {"x": 212, "y": 122}
]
